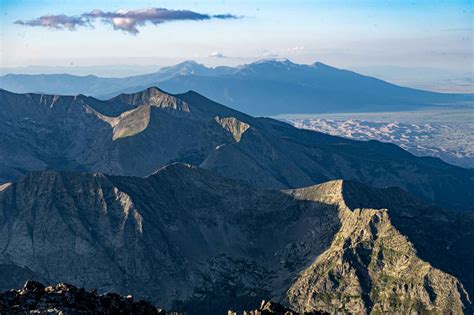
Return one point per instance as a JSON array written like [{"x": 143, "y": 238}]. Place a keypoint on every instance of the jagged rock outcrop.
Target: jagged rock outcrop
[
  {"x": 272, "y": 308},
  {"x": 152, "y": 97},
  {"x": 233, "y": 125},
  {"x": 129, "y": 123},
  {"x": 63, "y": 298},
  {"x": 4, "y": 186},
  {"x": 370, "y": 266},
  {"x": 136, "y": 134},
  {"x": 192, "y": 241}
]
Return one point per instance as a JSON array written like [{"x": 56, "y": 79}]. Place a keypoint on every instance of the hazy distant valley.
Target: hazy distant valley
[
  {"x": 446, "y": 134},
  {"x": 422, "y": 122}
]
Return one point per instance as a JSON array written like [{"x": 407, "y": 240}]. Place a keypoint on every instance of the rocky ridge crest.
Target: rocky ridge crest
[{"x": 136, "y": 134}]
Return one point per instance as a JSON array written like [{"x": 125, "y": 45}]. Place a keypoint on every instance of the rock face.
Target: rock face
[
  {"x": 63, "y": 298},
  {"x": 272, "y": 308},
  {"x": 182, "y": 236},
  {"x": 371, "y": 267},
  {"x": 192, "y": 241},
  {"x": 234, "y": 126},
  {"x": 136, "y": 134}
]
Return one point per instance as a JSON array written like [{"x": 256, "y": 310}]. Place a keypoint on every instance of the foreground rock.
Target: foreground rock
[
  {"x": 34, "y": 298},
  {"x": 272, "y": 308}
]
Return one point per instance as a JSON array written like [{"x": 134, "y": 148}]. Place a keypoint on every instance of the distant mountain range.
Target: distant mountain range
[
  {"x": 267, "y": 87},
  {"x": 136, "y": 134},
  {"x": 193, "y": 241}
]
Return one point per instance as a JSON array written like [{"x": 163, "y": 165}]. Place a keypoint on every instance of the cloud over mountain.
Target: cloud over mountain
[
  {"x": 58, "y": 22},
  {"x": 124, "y": 20},
  {"x": 216, "y": 54}
]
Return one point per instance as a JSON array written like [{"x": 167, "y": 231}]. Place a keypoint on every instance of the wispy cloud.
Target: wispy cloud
[
  {"x": 124, "y": 20},
  {"x": 57, "y": 22},
  {"x": 270, "y": 53},
  {"x": 216, "y": 54},
  {"x": 296, "y": 49}
]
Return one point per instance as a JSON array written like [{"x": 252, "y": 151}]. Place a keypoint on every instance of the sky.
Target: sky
[{"x": 358, "y": 34}]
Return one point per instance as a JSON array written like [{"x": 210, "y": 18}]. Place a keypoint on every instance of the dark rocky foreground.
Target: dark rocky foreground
[
  {"x": 63, "y": 298},
  {"x": 272, "y": 308}
]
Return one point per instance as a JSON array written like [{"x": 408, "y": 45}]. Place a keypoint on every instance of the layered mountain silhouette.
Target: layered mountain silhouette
[
  {"x": 202, "y": 209},
  {"x": 267, "y": 87},
  {"x": 136, "y": 134},
  {"x": 193, "y": 241}
]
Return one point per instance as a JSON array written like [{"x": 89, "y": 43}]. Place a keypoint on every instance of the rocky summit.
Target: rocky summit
[
  {"x": 63, "y": 298},
  {"x": 192, "y": 241},
  {"x": 137, "y": 134}
]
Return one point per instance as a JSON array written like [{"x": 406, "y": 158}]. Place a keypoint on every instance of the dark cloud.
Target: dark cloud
[
  {"x": 58, "y": 22},
  {"x": 124, "y": 20}
]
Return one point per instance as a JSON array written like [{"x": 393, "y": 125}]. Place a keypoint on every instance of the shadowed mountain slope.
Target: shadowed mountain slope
[
  {"x": 136, "y": 134},
  {"x": 193, "y": 241}
]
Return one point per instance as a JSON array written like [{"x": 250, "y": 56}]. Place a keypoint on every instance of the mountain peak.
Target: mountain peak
[
  {"x": 189, "y": 62},
  {"x": 267, "y": 67},
  {"x": 187, "y": 67},
  {"x": 355, "y": 195},
  {"x": 154, "y": 90},
  {"x": 274, "y": 62},
  {"x": 153, "y": 96}
]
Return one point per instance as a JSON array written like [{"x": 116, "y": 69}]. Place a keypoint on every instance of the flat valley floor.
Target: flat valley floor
[{"x": 444, "y": 133}]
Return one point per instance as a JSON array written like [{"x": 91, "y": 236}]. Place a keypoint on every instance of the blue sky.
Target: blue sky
[{"x": 342, "y": 33}]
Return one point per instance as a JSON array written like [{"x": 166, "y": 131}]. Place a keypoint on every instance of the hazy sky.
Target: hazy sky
[{"x": 342, "y": 33}]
